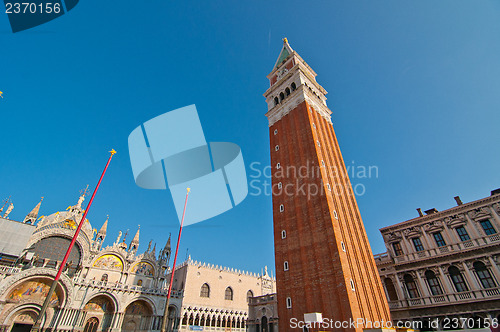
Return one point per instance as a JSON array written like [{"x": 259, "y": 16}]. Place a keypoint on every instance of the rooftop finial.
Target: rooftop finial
[{"x": 285, "y": 40}]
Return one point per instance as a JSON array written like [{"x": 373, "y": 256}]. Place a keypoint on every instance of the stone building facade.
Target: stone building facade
[
  {"x": 444, "y": 266},
  {"x": 263, "y": 314},
  {"x": 217, "y": 298},
  {"x": 113, "y": 288}
]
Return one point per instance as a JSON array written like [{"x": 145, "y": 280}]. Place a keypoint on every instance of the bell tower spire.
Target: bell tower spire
[{"x": 324, "y": 262}]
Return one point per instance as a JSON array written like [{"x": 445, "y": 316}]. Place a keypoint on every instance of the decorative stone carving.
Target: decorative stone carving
[
  {"x": 434, "y": 226},
  {"x": 393, "y": 236},
  {"x": 496, "y": 207},
  {"x": 455, "y": 220},
  {"x": 412, "y": 231},
  {"x": 479, "y": 212}
]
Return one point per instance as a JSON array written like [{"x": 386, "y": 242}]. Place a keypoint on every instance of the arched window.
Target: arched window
[
  {"x": 285, "y": 266},
  {"x": 283, "y": 234},
  {"x": 104, "y": 278},
  {"x": 293, "y": 86},
  {"x": 458, "y": 279},
  {"x": 411, "y": 286},
  {"x": 91, "y": 325},
  {"x": 205, "y": 290},
  {"x": 282, "y": 96},
  {"x": 276, "y": 101},
  {"x": 287, "y": 91},
  {"x": 391, "y": 290},
  {"x": 289, "y": 302},
  {"x": 484, "y": 275},
  {"x": 282, "y": 208},
  {"x": 433, "y": 282},
  {"x": 229, "y": 294},
  {"x": 139, "y": 282},
  {"x": 249, "y": 295}
]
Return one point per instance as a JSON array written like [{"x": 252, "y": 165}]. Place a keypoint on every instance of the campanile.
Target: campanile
[{"x": 324, "y": 263}]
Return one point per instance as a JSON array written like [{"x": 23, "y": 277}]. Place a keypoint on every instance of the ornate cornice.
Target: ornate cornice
[{"x": 456, "y": 210}]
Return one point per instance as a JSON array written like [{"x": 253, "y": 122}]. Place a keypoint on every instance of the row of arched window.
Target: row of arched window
[
  {"x": 214, "y": 321},
  {"x": 228, "y": 294},
  {"x": 458, "y": 280},
  {"x": 285, "y": 94}
]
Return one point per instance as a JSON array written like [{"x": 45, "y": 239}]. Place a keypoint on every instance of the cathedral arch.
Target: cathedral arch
[
  {"x": 276, "y": 101},
  {"x": 147, "y": 303},
  {"x": 101, "y": 309},
  {"x": 282, "y": 96},
  {"x": 24, "y": 316},
  {"x": 172, "y": 322},
  {"x": 293, "y": 86},
  {"x": 138, "y": 316},
  {"x": 287, "y": 92}
]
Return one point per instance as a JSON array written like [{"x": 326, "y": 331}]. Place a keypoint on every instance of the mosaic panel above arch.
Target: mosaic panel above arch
[
  {"x": 34, "y": 290},
  {"x": 143, "y": 268},
  {"x": 109, "y": 261},
  {"x": 139, "y": 307},
  {"x": 99, "y": 304}
]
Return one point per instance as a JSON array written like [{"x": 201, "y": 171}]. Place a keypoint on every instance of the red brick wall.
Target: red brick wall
[{"x": 318, "y": 279}]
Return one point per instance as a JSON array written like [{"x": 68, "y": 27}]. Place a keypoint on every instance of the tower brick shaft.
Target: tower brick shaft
[{"x": 324, "y": 263}]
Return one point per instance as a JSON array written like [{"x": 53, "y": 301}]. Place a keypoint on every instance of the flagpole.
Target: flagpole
[
  {"x": 165, "y": 312},
  {"x": 36, "y": 326}
]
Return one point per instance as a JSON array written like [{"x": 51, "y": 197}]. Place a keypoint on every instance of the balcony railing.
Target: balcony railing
[
  {"x": 263, "y": 299},
  {"x": 8, "y": 270},
  {"x": 123, "y": 287},
  {"x": 475, "y": 295}
]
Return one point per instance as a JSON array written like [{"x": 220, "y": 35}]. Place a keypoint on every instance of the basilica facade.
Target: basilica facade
[{"x": 112, "y": 288}]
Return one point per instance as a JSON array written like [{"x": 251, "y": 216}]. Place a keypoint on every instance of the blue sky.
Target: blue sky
[{"x": 413, "y": 86}]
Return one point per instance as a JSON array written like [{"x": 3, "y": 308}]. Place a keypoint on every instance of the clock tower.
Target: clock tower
[{"x": 324, "y": 263}]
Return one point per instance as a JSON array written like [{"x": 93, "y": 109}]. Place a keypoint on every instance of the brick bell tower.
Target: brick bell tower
[{"x": 324, "y": 263}]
